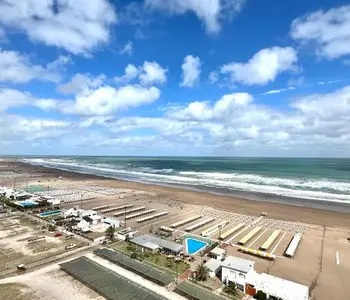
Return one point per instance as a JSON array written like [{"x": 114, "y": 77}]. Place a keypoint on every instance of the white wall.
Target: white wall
[{"x": 237, "y": 277}]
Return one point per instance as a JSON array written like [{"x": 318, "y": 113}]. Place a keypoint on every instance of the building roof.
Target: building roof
[
  {"x": 213, "y": 265},
  {"x": 218, "y": 251},
  {"x": 111, "y": 221},
  {"x": 151, "y": 246},
  {"x": 146, "y": 238},
  {"x": 278, "y": 287},
  {"x": 238, "y": 264}
]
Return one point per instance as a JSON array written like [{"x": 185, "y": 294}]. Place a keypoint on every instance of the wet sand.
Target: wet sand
[{"x": 222, "y": 202}]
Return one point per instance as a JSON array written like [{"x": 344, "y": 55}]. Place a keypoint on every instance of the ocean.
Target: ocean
[{"x": 310, "y": 179}]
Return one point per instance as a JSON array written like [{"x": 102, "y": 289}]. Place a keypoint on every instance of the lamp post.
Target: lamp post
[{"x": 220, "y": 227}]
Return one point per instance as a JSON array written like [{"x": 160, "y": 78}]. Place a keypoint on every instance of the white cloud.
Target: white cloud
[
  {"x": 152, "y": 73},
  {"x": 77, "y": 26},
  {"x": 149, "y": 73},
  {"x": 235, "y": 123},
  {"x": 13, "y": 98},
  {"x": 107, "y": 100},
  {"x": 279, "y": 90},
  {"x": 99, "y": 101},
  {"x": 18, "y": 69},
  {"x": 200, "y": 111},
  {"x": 79, "y": 82},
  {"x": 210, "y": 12},
  {"x": 328, "y": 30},
  {"x": 263, "y": 67},
  {"x": 191, "y": 71},
  {"x": 128, "y": 48},
  {"x": 131, "y": 72},
  {"x": 213, "y": 77}
]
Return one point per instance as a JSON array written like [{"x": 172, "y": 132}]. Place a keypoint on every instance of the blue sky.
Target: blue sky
[{"x": 175, "y": 77}]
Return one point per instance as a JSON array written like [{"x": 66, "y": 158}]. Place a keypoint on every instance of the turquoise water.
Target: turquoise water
[
  {"x": 50, "y": 213},
  {"x": 193, "y": 245},
  {"x": 323, "y": 179},
  {"x": 28, "y": 203}
]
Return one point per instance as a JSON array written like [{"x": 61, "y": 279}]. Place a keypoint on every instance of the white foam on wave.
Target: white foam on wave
[
  {"x": 295, "y": 188},
  {"x": 339, "y": 186}
]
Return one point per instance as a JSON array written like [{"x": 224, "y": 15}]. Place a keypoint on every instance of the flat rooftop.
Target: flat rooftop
[{"x": 146, "y": 239}]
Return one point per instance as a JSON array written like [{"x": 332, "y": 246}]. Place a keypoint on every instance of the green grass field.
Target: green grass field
[{"x": 156, "y": 259}]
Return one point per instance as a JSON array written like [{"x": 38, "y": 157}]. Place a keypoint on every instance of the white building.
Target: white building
[
  {"x": 235, "y": 269},
  {"x": 214, "y": 267},
  {"x": 277, "y": 287},
  {"x": 77, "y": 212},
  {"x": 218, "y": 253},
  {"x": 112, "y": 222},
  {"x": 83, "y": 226}
]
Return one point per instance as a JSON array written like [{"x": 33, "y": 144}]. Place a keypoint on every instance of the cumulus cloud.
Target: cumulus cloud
[
  {"x": 210, "y": 12},
  {"x": 79, "y": 82},
  {"x": 234, "y": 123},
  {"x": 213, "y": 77},
  {"x": 152, "y": 73},
  {"x": 263, "y": 67},
  {"x": 204, "y": 111},
  {"x": 130, "y": 73},
  {"x": 107, "y": 100},
  {"x": 149, "y": 73},
  {"x": 78, "y": 26},
  {"x": 98, "y": 101},
  {"x": 191, "y": 71},
  {"x": 17, "y": 68},
  {"x": 128, "y": 48},
  {"x": 13, "y": 98},
  {"x": 328, "y": 30}
]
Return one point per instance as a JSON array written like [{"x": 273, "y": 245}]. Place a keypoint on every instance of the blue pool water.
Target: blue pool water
[
  {"x": 50, "y": 213},
  {"x": 193, "y": 245},
  {"x": 27, "y": 203}
]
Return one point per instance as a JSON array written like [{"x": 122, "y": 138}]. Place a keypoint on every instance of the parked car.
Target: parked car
[{"x": 70, "y": 246}]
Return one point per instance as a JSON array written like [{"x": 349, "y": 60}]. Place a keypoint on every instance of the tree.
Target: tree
[
  {"x": 202, "y": 272},
  {"x": 110, "y": 233},
  {"x": 260, "y": 295},
  {"x": 230, "y": 289}
]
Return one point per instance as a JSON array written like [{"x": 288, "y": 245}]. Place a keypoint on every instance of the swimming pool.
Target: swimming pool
[
  {"x": 28, "y": 203},
  {"x": 193, "y": 246},
  {"x": 50, "y": 213}
]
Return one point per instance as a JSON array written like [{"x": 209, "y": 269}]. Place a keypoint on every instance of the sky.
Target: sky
[{"x": 175, "y": 77}]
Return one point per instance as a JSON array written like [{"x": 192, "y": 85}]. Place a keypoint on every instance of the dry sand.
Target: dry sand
[{"x": 50, "y": 283}]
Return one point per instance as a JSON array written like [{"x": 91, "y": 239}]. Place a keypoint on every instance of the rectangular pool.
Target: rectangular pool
[
  {"x": 193, "y": 246},
  {"x": 50, "y": 213}
]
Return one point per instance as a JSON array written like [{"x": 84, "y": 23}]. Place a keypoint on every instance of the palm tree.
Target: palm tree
[
  {"x": 230, "y": 289},
  {"x": 110, "y": 233},
  {"x": 260, "y": 295},
  {"x": 202, "y": 272}
]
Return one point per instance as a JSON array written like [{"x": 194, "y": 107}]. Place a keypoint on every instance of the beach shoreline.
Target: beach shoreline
[{"x": 282, "y": 211}]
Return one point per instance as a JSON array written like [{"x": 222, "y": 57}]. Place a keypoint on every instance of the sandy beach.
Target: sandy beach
[{"x": 221, "y": 202}]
